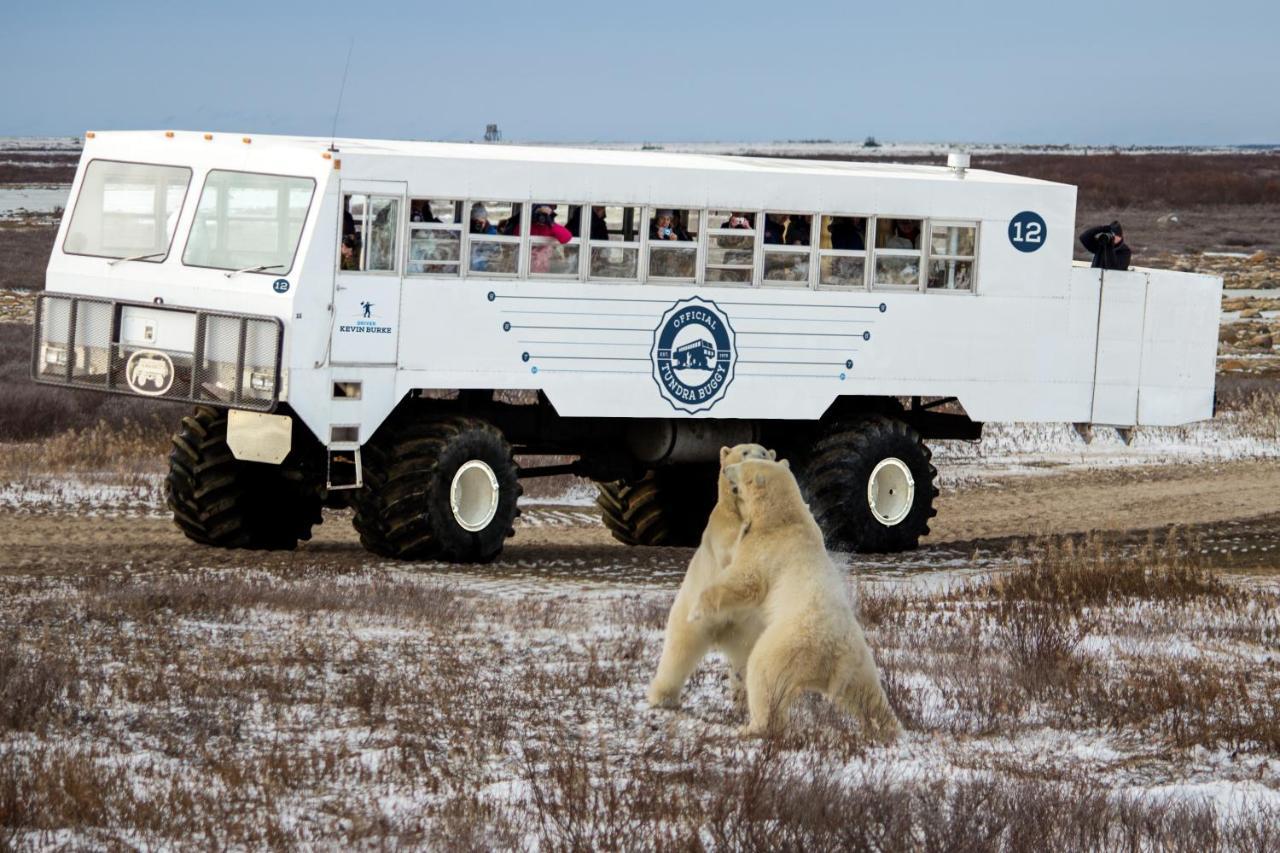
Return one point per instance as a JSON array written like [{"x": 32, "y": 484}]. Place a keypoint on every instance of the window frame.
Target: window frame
[
  {"x": 809, "y": 283},
  {"x": 921, "y": 254},
  {"x": 182, "y": 207},
  {"x": 757, "y": 237},
  {"x": 976, "y": 225},
  {"x": 402, "y": 231},
  {"x": 650, "y": 211},
  {"x": 462, "y": 226},
  {"x": 520, "y": 240},
  {"x": 642, "y": 232},
  {"x": 527, "y": 244},
  {"x": 864, "y": 253}
]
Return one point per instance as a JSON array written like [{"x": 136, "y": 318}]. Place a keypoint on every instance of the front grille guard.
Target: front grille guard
[{"x": 235, "y": 360}]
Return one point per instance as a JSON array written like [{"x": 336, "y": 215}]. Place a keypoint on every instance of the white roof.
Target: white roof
[{"x": 502, "y": 152}]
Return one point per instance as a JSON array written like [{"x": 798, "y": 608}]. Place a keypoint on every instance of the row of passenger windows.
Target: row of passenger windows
[{"x": 452, "y": 237}]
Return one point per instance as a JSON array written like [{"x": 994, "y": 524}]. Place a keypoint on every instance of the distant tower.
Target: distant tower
[{"x": 492, "y": 134}]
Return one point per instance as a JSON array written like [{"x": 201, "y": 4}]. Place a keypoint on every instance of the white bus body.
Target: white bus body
[{"x": 1031, "y": 337}]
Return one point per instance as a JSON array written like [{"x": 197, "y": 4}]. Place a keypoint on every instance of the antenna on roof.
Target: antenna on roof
[{"x": 341, "y": 90}]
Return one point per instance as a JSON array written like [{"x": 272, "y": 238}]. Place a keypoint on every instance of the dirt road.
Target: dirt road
[{"x": 1235, "y": 507}]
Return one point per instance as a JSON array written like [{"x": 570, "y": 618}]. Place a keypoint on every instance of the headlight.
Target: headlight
[{"x": 262, "y": 381}]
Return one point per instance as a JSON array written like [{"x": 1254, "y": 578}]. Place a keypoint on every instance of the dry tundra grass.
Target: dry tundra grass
[{"x": 384, "y": 707}]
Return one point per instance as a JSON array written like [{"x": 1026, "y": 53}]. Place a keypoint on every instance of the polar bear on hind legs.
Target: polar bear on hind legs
[
  {"x": 686, "y": 643},
  {"x": 811, "y": 639}
]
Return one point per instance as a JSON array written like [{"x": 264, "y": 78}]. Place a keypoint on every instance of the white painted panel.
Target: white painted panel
[
  {"x": 1119, "y": 360},
  {"x": 1179, "y": 355}
]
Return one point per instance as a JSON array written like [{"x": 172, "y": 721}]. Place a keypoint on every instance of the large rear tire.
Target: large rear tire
[
  {"x": 870, "y": 485},
  {"x": 221, "y": 501},
  {"x": 668, "y": 506},
  {"x": 437, "y": 489}
]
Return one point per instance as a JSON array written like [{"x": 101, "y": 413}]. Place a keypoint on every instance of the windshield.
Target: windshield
[
  {"x": 247, "y": 222},
  {"x": 127, "y": 210}
]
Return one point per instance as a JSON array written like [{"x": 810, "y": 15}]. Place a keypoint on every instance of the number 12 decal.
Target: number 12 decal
[{"x": 1027, "y": 231}]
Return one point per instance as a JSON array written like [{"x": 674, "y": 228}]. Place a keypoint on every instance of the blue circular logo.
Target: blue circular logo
[
  {"x": 693, "y": 355},
  {"x": 1027, "y": 231},
  {"x": 280, "y": 285}
]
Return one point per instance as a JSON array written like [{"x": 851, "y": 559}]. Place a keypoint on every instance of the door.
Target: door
[
  {"x": 366, "y": 298},
  {"x": 1121, "y": 317}
]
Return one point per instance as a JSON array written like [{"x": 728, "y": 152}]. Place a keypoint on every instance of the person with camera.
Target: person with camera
[
  {"x": 542, "y": 254},
  {"x": 1106, "y": 242}
]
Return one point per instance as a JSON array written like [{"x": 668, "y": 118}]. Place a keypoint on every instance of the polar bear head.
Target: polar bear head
[
  {"x": 734, "y": 455},
  {"x": 768, "y": 494}
]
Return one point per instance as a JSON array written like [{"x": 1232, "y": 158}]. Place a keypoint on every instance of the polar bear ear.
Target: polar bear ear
[
  {"x": 772, "y": 454},
  {"x": 724, "y": 454},
  {"x": 785, "y": 464}
]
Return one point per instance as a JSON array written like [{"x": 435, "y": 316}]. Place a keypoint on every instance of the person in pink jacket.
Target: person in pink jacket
[{"x": 541, "y": 255}]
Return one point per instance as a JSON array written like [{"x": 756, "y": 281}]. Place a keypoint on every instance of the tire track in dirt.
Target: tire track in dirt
[{"x": 563, "y": 543}]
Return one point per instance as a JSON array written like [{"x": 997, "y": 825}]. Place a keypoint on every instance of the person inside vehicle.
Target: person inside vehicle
[
  {"x": 905, "y": 235},
  {"x": 420, "y": 211},
  {"x": 847, "y": 234},
  {"x": 738, "y": 220},
  {"x": 775, "y": 225},
  {"x": 1106, "y": 242},
  {"x": 663, "y": 227},
  {"x": 599, "y": 228},
  {"x": 542, "y": 256},
  {"x": 797, "y": 231},
  {"x": 480, "y": 220}
]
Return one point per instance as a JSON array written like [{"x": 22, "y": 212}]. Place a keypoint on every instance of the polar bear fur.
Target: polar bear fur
[
  {"x": 811, "y": 640},
  {"x": 686, "y": 643}
]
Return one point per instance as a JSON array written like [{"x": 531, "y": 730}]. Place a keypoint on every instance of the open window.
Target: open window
[
  {"x": 842, "y": 252},
  {"x": 898, "y": 253},
  {"x": 786, "y": 249},
  {"x": 673, "y": 243},
  {"x": 952, "y": 249},
  {"x": 370, "y": 231},
  {"x": 435, "y": 237},
  {"x": 494, "y": 237},
  {"x": 555, "y": 248},
  {"x": 613, "y": 234},
  {"x": 731, "y": 246}
]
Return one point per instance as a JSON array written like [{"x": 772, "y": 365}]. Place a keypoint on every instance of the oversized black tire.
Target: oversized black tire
[
  {"x": 442, "y": 488},
  {"x": 221, "y": 501},
  {"x": 668, "y": 506},
  {"x": 855, "y": 512}
]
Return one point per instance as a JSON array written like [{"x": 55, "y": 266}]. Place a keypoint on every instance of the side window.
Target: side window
[
  {"x": 614, "y": 238},
  {"x": 731, "y": 246},
  {"x": 952, "y": 249},
  {"x": 786, "y": 249},
  {"x": 435, "y": 237},
  {"x": 555, "y": 248},
  {"x": 898, "y": 253},
  {"x": 842, "y": 252},
  {"x": 494, "y": 237},
  {"x": 370, "y": 227},
  {"x": 673, "y": 243}
]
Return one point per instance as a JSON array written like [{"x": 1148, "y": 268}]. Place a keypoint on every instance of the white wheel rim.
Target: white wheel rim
[
  {"x": 473, "y": 496},
  {"x": 891, "y": 491}
]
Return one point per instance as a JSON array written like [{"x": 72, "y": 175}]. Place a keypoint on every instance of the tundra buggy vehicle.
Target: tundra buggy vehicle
[{"x": 389, "y": 324}]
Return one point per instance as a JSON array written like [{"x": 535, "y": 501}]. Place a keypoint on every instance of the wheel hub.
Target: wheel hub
[
  {"x": 473, "y": 495},
  {"x": 891, "y": 491}
]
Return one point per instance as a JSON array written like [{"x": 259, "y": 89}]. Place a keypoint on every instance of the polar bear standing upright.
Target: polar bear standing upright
[
  {"x": 811, "y": 639},
  {"x": 686, "y": 643}
]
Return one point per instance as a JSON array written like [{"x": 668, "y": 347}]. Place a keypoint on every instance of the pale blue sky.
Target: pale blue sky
[{"x": 1036, "y": 72}]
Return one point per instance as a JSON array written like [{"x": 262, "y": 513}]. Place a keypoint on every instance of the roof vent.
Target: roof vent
[{"x": 958, "y": 162}]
